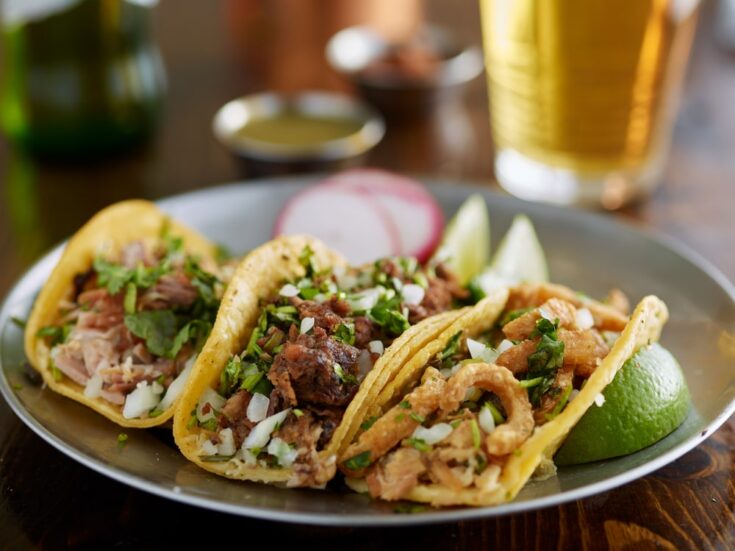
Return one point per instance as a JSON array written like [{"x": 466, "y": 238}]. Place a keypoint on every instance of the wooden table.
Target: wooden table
[{"x": 216, "y": 51}]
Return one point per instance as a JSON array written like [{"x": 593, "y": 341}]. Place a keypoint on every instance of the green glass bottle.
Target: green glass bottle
[{"x": 83, "y": 78}]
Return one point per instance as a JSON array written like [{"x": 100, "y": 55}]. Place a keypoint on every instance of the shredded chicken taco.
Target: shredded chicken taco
[
  {"x": 118, "y": 324},
  {"x": 301, "y": 345},
  {"x": 472, "y": 416}
]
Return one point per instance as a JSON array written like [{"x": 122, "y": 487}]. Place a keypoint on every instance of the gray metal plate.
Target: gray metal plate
[{"x": 586, "y": 251}]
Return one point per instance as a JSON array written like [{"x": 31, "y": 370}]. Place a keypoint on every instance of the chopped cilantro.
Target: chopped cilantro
[
  {"x": 156, "y": 327},
  {"x": 345, "y": 333},
  {"x": 495, "y": 412},
  {"x": 122, "y": 439},
  {"x": 360, "y": 461},
  {"x": 131, "y": 296},
  {"x": 476, "y": 435},
  {"x": 369, "y": 422},
  {"x": 529, "y": 383},
  {"x": 418, "y": 418},
  {"x": 481, "y": 463},
  {"x": 222, "y": 253},
  {"x": 546, "y": 360},
  {"x": 405, "y": 404},
  {"x": 56, "y": 372},
  {"x": 204, "y": 281},
  {"x": 306, "y": 259},
  {"x": 297, "y": 412},
  {"x": 452, "y": 347},
  {"x": 21, "y": 323},
  {"x": 17, "y": 386},
  {"x": 400, "y": 417},
  {"x": 513, "y": 315},
  {"x": 344, "y": 377},
  {"x": 476, "y": 292},
  {"x": 387, "y": 315},
  {"x": 229, "y": 376},
  {"x": 57, "y": 333},
  {"x": 192, "y": 419},
  {"x": 560, "y": 404},
  {"x": 210, "y": 424},
  {"x": 417, "y": 443}
]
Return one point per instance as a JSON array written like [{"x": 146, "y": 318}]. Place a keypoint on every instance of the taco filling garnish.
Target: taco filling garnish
[
  {"x": 494, "y": 403},
  {"x": 278, "y": 402},
  {"x": 130, "y": 322}
]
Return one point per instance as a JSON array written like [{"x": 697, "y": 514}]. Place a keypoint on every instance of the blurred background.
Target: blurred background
[{"x": 176, "y": 63}]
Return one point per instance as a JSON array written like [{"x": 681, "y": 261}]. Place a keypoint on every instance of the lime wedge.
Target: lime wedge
[
  {"x": 519, "y": 258},
  {"x": 465, "y": 246},
  {"x": 647, "y": 399}
]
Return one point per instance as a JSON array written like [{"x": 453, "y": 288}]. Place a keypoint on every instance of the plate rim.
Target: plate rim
[{"x": 380, "y": 519}]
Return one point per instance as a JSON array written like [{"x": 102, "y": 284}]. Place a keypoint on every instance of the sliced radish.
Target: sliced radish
[
  {"x": 367, "y": 214},
  {"x": 415, "y": 212},
  {"x": 342, "y": 219}
]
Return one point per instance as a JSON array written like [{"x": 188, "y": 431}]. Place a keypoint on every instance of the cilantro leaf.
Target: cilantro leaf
[
  {"x": 546, "y": 360},
  {"x": 156, "y": 327},
  {"x": 360, "y": 461},
  {"x": 452, "y": 346},
  {"x": 345, "y": 333}
]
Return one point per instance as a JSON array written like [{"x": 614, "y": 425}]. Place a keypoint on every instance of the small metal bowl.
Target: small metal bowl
[
  {"x": 261, "y": 158},
  {"x": 351, "y": 52}
]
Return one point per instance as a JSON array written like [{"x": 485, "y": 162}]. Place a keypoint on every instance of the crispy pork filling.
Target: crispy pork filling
[
  {"x": 481, "y": 398},
  {"x": 134, "y": 324},
  {"x": 281, "y": 399}
]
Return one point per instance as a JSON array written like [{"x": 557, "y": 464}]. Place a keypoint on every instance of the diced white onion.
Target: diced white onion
[
  {"x": 285, "y": 454},
  {"x": 486, "y": 420},
  {"x": 376, "y": 347},
  {"x": 209, "y": 396},
  {"x": 504, "y": 345},
  {"x": 583, "y": 319},
  {"x": 258, "y": 407},
  {"x": 307, "y": 324},
  {"x": 413, "y": 294},
  {"x": 209, "y": 448},
  {"x": 247, "y": 457},
  {"x": 261, "y": 432},
  {"x": 364, "y": 300},
  {"x": 288, "y": 290},
  {"x": 94, "y": 386},
  {"x": 143, "y": 399},
  {"x": 226, "y": 444},
  {"x": 572, "y": 395},
  {"x": 397, "y": 284},
  {"x": 432, "y": 435},
  {"x": 177, "y": 386},
  {"x": 599, "y": 400},
  {"x": 479, "y": 351},
  {"x": 157, "y": 387},
  {"x": 544, "y": 314}
]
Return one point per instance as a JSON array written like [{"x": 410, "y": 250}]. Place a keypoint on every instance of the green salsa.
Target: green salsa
[{"x": 293, "y": 128}]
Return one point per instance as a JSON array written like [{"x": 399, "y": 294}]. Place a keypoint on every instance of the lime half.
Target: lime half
[
  {"x": 646, "y": 401},
  {"x": 519, "y": 258},
  {"x": 465, "y": 246}
]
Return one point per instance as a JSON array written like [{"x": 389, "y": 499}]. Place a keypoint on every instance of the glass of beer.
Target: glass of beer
[{"x": 584, "y": 94}]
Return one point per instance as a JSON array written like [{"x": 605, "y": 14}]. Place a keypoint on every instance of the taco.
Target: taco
[
  {"x": 300, "y": 346},
  {"x": 481, "y": 409},
  {"x": 118, "y": 324}
]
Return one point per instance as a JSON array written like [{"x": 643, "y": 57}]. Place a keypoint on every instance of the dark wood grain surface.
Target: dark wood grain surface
[{"x": 215, "y": 51}]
